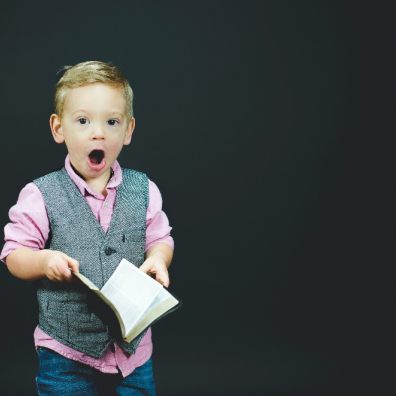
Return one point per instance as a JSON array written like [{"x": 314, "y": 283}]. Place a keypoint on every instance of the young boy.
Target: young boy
[{"x": 86, "y": 217}]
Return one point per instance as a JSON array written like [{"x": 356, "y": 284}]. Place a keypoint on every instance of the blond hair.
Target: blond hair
[{"x": 91, "y": 72}]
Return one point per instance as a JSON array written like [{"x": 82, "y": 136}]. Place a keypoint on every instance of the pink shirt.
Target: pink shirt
[{"x": 29, "y": 227}]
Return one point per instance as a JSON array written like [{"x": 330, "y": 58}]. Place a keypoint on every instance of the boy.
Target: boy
[{"x": 52, "y": 232}]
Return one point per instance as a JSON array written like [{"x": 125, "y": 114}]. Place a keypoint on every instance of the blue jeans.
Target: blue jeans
[{"x": 61, "y": 376}]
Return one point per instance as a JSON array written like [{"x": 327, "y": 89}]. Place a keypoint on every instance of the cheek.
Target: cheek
[
  {"x": 74, "y": 146},
  {"x": 115, "y": 148},
  {"x": 116, "y": 143}
]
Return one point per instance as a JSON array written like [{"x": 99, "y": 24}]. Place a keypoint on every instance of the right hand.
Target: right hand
[{"x": 58, "y": 266}]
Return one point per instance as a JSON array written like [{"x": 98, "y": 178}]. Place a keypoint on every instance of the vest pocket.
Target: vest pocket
[
  {"x": 88, "y": 330},
  {"x": 133, "y": 246},
  {"x": 56, "y": 319}
]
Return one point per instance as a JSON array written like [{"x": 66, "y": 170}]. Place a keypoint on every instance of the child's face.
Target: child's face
[{"x": 95, "y": 126}]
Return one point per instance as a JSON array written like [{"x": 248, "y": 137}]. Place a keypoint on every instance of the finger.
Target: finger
[
  {"x": 162, "y": 277},
  {"x": 62, "y": 270},
  {"x": 72, "y": 264},
  {"x": 65, "y": 272},
  {"x": 58, "y": 275},
  {"x": 57, "y": 268}
]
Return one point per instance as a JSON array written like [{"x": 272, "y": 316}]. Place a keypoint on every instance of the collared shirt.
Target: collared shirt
[{"x": 29, "y": 227}]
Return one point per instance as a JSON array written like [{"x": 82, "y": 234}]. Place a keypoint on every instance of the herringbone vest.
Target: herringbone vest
[{"x": 69, "y": 312}]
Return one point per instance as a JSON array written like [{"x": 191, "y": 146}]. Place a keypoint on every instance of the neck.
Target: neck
[{"x": 97, "y": 184}]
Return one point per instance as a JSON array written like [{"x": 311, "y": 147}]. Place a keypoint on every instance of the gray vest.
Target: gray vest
[{"x": 69, "y": 312}]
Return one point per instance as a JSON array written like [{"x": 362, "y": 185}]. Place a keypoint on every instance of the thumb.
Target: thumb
[
  {"x": 72, "y": 263},
  {"x": 145, "y": 267}
]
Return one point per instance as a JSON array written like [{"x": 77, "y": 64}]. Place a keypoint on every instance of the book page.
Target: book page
[
  {"x": 162, "y": 303},
  {"x": 86, "y": 281},
  {"x": 130, "y": 292}
]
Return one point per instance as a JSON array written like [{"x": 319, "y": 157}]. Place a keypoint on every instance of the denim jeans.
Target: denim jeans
[{"x": 61, "y": 376}]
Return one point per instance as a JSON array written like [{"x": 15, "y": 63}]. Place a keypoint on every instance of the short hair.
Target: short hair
[{"x": 91, "y": 72}]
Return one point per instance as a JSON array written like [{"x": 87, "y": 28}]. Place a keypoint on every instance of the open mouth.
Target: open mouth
[{"x": 96, "y": 156}]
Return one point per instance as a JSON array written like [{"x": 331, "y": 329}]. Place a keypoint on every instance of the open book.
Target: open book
[{"x": 137, "y": 299}]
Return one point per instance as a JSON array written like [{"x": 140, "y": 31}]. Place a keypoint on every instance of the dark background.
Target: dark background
[{"x": 267, "y": 126}]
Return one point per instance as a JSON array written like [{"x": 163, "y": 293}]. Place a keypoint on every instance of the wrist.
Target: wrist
[
  {"x": 42, "y": 260},
  {"x": 160, "y": 258},
  {"x": 161, "y": 252}
]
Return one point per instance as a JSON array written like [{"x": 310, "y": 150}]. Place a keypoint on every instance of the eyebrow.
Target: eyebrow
[
  {"x": 109, "y": 114},
  {"x": 79, "y": 111}
]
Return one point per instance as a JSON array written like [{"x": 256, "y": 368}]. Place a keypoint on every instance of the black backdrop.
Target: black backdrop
[{"x": 267, "y": 127}]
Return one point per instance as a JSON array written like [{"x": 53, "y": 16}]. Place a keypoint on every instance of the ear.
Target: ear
[
  {"x": 129, "y": 132},
  {"x": 56, "y": 128}
]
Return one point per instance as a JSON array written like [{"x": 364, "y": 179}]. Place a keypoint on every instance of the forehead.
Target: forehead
[{"x": 95, "y": 97}]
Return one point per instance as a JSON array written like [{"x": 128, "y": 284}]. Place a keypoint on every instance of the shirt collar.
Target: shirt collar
[{"x": 115, "y": 179}]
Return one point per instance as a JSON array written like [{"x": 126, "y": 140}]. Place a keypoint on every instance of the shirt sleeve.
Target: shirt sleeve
[
  {"x": 157, "y": 223},
  {"x": 29, "y": 225}
]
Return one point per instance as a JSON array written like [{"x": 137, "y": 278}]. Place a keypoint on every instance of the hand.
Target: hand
[
  {"x": 156, "y": 268},
  {"x": 58, "y": 266}
]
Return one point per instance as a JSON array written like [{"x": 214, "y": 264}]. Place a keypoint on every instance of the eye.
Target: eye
[
  {"x": 83, "y": 120},
  {"x": 113, "y": 122}
]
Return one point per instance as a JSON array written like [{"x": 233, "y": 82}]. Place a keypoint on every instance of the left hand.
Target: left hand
[{"x": 156, "y": 268}]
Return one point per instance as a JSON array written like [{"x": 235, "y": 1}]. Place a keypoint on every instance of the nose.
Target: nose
[{"x": 98, "y": 132}]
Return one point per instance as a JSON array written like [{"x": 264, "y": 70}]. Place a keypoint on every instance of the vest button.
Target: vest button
[{"x": 109, "y": 251}]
